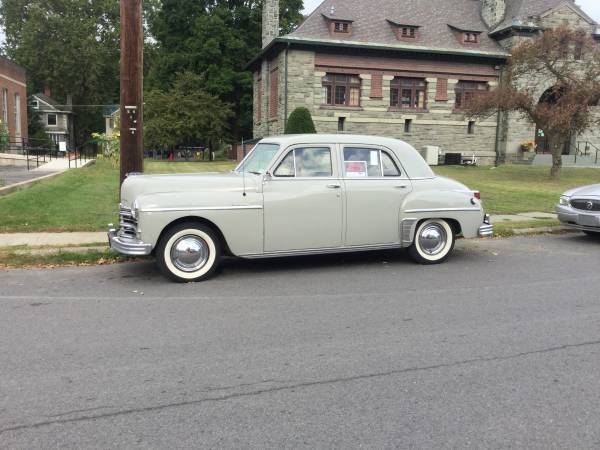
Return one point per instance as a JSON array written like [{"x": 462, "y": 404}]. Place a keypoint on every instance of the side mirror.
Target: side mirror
[{"x": 267, "y": 176}]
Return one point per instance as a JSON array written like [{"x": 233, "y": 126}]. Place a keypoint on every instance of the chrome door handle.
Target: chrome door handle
[
  {"x": 334, "y": 186},
  {"x": 401, "y": 186}
]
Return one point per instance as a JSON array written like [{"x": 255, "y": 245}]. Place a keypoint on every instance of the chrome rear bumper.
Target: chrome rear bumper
[
  {"x": 127, "y": 245},
  {"x": 487, "y": 229}
]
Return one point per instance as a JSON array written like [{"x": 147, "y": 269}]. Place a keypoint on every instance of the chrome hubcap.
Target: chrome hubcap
[
  {"x": 189, "y": 253},
  {"x": 432, "y": 239}
]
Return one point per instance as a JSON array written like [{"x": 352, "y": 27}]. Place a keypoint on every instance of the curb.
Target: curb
[{"x": 540, "y": 230}]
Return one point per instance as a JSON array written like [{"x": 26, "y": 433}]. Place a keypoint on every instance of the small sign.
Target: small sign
[
  {"x": 62, "y": 146},
  {"x": 356, "y": 168}
]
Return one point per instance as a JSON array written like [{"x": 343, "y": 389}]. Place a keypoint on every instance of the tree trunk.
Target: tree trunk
[{"x": 556, "y": 143}]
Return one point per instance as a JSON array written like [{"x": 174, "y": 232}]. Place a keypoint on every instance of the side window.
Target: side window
[
  {"x": 389, "y": 166},
  {"x": 286, "y": 167},
  {"x": 368, "y": 162},
  {"x": 306, "y": 162}
]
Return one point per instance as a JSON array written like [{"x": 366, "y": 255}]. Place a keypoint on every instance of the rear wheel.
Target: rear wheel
[
  {"x": 433, "y": 243},
  {"x": 594, "y": 234},
  {"x": 188, "y": 252}
]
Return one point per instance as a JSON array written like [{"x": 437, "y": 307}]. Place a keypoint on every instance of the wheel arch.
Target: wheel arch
[{"x": 201, "y": 221}]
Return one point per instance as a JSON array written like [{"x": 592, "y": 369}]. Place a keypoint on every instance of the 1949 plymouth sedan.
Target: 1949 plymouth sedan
[
  {"x": 298, "y": 195},
  {"x": 579, "y": 208}
]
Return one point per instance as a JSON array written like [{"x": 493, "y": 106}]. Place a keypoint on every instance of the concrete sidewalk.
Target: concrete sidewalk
[{"x": 53, "y": 239}]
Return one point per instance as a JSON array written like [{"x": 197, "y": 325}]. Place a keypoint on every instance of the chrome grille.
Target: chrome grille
[
  {"x": 586, "y": 204},
  {"x": 127, "y": 223}
]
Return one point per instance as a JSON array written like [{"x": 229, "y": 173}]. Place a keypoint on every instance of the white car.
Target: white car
[{"x": 298, "y": 195}]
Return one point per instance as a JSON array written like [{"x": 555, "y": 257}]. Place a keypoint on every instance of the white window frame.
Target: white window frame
[
  {"x": 17, "y": 108},
  {"x": 55, "y": 119}
]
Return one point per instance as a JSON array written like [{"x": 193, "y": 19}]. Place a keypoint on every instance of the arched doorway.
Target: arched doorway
[{"x": 550, "y": 96}]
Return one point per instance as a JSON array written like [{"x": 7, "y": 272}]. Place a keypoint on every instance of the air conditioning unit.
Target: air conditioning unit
[{"x": 430, "y": 154}]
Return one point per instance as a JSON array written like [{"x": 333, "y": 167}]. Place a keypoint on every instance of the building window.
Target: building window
[
  {"x": 466, "y": 91},
  {"x": 5, "y": 107},
  {"x": 341, "y": 90},
  {"x": 471, "y": 127},
  {"x": 408, "y": 32},
  {"x": 408, "y": 93},
  {"x": 407, "y": 125},
  {"x": 35, "y": 104},
  {"x": 51, "y": 119},
  {"x": 471, "y": 38},
  {"x": 17, "y": 115},
  {"x": 341, "y": 123},
  {"x": 341, "y": 27}
]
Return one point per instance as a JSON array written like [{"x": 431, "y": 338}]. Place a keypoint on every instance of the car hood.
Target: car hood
[
  {"x": 593, "y": 190},
  {"x": 139, "y": 185}
]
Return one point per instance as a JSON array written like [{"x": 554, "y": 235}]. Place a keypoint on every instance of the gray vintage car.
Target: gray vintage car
[
  {"x": 579, "y": 208},
  {"x": 298, "y": 195}
]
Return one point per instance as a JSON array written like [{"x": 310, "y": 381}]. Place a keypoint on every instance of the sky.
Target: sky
[{"x": 591, "y": 7}]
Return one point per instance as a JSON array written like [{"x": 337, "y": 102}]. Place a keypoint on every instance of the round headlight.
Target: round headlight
[{"x": 564, "y": 200}]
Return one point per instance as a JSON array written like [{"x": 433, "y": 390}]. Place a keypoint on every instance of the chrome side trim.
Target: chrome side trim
[
  {"x": 318, "y": 251},
  {"x": 440, "y": 209},
  {"x": 201, "y": 208}
]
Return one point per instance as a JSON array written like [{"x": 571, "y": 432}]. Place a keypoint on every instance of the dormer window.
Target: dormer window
[
  {"x": 408, "y": 32},
  {"x": 341, "y": 27},
  {"x": 471, "y": 38}
]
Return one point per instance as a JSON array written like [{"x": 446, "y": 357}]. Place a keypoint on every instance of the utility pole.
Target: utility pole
[{"x": 132, "y": 81}]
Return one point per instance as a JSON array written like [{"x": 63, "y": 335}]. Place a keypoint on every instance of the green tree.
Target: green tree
[
  {"x": 300, "y": 122},
  {"x": 35, "y": 130},
  {"x": 215, "y": 39},
  {"x": 71, "y": 46},
  {"x": 184, "y": 114}
]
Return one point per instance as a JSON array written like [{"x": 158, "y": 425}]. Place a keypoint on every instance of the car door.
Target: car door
[
  {"x": 303, "y": 200},
  {"x": 375, "y": 187}
]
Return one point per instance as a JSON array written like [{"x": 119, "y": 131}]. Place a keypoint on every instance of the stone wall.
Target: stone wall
[{"x": 492, "y": 11}]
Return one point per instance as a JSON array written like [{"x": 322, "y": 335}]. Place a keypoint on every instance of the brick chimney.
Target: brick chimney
[
  {"x": 493, "y": 12},
  {"x": 47, "y": 91},
  {"x": 270, "y": 21}
]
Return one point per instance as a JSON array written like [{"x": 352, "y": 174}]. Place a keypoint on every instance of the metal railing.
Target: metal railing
[
  {"x": 586, "y": 150},
  {"x": 40, "y": 152}
]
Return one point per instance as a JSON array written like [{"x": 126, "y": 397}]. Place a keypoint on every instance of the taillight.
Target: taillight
[{"x": 477, "y": 195}]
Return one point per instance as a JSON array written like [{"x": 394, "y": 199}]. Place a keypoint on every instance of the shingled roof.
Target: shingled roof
[{"x": 372, "y": 21}]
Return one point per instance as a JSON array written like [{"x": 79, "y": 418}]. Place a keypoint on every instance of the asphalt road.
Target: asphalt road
[{"x": 497, "y": 348}]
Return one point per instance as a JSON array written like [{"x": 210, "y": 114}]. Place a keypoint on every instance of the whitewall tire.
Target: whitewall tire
[
  {"x": 188, "y": 252},
  {"x": 433, "y": 242}
]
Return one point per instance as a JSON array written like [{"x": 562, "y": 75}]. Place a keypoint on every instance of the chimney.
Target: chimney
[
  {"x": 493, "y": 11},
  {"x": 47, "y": 91},
  {"x": 270, "y": 21},
  {"x": 69, "y": 100}
]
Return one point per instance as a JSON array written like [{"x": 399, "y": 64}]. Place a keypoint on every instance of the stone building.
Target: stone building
[
  {"x": 404, "y": 70},
  {"x": 13, "y": 95}
]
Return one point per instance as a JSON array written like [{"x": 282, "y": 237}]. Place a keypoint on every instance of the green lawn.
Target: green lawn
[
  {"x": 516, "y": 188},
  {"x": 79, "y": 200},
  {"x": 87, "y": 199}
]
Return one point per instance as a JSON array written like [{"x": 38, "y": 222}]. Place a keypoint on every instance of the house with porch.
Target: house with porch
[
  {"x": 58, "y": 119},
  {"x": 405, "y": 69}
]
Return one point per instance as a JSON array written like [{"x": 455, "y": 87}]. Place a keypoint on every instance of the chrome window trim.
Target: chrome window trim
[
  {"x": 381, "y": 148},
  {"x": 292, "y": 148}
]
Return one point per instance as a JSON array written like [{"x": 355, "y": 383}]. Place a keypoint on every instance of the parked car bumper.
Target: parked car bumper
[
  {"x": 127, "y": 245},
  {"x": 487, "y": 229},
  {"x": 578, "y": 219}
]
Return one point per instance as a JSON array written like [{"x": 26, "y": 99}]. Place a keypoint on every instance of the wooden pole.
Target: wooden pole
[{"x": 132, "y": 81}]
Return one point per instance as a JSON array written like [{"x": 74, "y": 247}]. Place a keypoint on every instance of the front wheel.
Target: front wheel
[
  {"x": 188, "y": 252},
  {"x": 433, "y": 243}
]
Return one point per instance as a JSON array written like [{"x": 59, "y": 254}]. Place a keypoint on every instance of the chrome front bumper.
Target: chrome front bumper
[
  {"x": 578, "y": 219},
  {"x": 127, "y": 245},
  {"x": 487, "y": 229}
]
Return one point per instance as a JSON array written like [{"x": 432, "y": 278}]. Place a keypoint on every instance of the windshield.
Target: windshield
[{"x": 258, "y": 159}]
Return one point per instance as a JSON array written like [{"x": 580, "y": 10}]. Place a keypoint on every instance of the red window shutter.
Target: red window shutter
[
  {"x": 259, "y": 100},
  {"x": 441, "y": 93},
  {"x": 376, "y": 85},
  {"x": 273, "y": 93}
]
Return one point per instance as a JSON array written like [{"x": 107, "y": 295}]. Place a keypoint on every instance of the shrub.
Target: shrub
[{"x": 300, "y": 122}]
